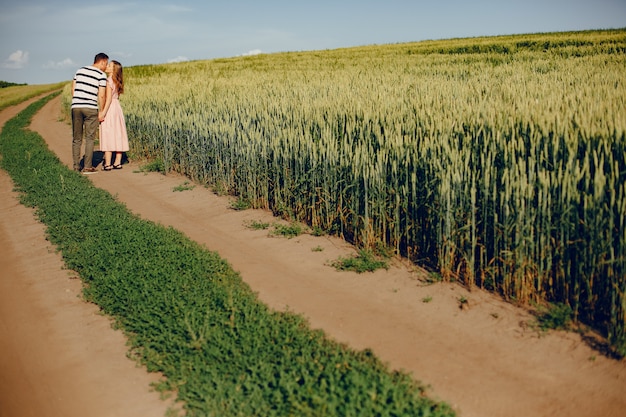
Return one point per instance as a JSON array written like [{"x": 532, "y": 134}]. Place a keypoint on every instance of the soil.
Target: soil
[{"x": 60, "y": 357}]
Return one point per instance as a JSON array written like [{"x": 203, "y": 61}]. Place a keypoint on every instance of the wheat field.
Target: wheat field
[{"x": 499, "y": 162}]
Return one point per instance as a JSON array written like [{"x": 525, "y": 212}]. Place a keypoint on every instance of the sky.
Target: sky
[{"x": 45, "y": 41}]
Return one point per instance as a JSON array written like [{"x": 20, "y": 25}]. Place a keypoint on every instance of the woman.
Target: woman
[{"x": 113, "y": 136}]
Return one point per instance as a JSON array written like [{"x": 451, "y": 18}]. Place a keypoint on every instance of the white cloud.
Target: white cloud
[
  {"x": 119, "y": 55},
  {"x": 16, "y": 60},
  {"x": 252, "y": 52},
  {"x": 66, "y": 63},
  {"x": 175, "y": 8},
  {"x": 177, "y": 59}
]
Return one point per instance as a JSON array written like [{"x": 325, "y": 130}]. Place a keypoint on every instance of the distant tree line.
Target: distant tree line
[{"x": 4, "y": 84}]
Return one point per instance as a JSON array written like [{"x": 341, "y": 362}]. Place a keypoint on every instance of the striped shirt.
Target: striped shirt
[{"x": 88, "y": 80}]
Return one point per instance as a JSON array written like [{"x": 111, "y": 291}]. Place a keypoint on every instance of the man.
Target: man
[{"x": 88, "y": 95}]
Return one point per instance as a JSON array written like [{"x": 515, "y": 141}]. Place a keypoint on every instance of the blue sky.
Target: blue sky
[{"x": 44, "y": 41}]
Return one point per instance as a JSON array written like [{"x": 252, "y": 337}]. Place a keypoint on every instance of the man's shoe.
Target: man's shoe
[{"x": 91, "y": 170}]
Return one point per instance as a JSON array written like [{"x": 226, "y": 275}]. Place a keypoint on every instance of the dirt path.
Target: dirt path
[
  {"x": 482, "y": 360},
  {"x": 59, "y": 357}
]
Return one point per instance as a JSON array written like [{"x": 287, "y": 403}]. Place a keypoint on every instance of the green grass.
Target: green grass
[
  {"x": 155, "y": 165},
  {"x": 555, "y": 316},
  {"x": 186, "y": 186},
  {"x": 364, "y": 261},
  {"x": 289, "y": 231},
  {"x": 188, "y": 315},
  {"x": 257, "y": 225},
  {"x": 240, "y": 204},
  {"x": 285, "y": 230}
]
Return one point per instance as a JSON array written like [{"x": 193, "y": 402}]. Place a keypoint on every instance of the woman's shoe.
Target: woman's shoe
[
  {"x": 117, "y": 166},
  {"x": 107, "y": 167}
]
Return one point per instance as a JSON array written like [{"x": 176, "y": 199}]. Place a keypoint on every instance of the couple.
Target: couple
[{"x": 95, "y": 99}]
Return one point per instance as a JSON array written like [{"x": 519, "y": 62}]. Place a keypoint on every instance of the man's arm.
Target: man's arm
[
  {"x": 107, "y": 102},
  {"x": 102, "y": 97}
]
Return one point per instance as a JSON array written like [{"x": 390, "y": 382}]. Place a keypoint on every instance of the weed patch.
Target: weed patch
[
  {"x": 257, "y": 225},
  {"x": 289, "y": 231},
  {"x": 364, "y": 261},
  {"x": 156, "y": 165},
  {"x": 555, "y": 316},
  {"x": 240, "y": 204},
  {"x": 186, "y": 186}
]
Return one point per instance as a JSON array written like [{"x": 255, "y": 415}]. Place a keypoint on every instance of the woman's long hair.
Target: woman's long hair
[{"x": 118, "y": 76}]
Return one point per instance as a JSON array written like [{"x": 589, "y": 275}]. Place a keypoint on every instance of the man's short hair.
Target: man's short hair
[{"x": 100, "y": 57}]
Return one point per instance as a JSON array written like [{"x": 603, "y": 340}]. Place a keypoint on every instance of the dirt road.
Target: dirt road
[
  {"x": 483, "y": 360},
  {"x": 59, "y": 357}
]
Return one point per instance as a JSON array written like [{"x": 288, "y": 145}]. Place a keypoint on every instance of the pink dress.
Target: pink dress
[{"x": 113, "y": 136}]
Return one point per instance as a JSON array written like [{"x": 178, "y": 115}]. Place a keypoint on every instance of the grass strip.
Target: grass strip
[{"x": 188, "y": 315}]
